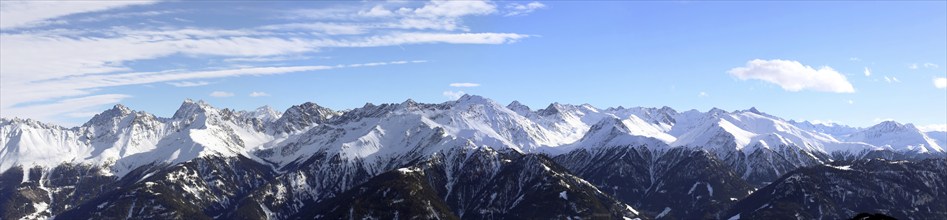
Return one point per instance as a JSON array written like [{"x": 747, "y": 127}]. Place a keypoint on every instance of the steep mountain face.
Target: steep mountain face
[
  {"x": 901, "y": 189},
  {"x": 205, "y": 162},
  {"x": 678, "y": 183},
  {"x": 39, "y": 193},
  {"x": 397, "y": 194},
  {"x": 203, "y": 188},
  {"x": 524, "y": 187}
]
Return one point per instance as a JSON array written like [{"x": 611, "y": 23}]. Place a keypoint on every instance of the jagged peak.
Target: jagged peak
[
  {"x": 887, "y": 126},
  {"x": 265, "y": 113},
  {"x": 190, "y": 107},
  {"x": 409, "y": 104},
  {"x": 551, "y": 109},
  {"x": 28, "y": 122},
  {"x": 609, "y": 122},
  {"x": 754, "y": 110},
  {"x": 619, "y": 108},
  {"x": 303, "y": 115},
  {"x": 306, "y": 108},
  {"x": 474, "y": 99},
  {"x": 518, "y": 107},
  {"x": 716, "y": 111},
  {"x": 117, "y": 111}
]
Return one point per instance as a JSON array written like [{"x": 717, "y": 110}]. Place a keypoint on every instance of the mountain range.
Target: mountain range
[{"x": 471, "y": 158}]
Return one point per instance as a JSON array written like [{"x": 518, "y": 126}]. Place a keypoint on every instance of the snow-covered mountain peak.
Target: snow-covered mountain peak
[
  {"x": 17, "y": 122},
  {"x": 754, "y": 110},
  {"x": 519, "y": 108},
  {"x": 468, "y": 100},
  {"x": 553, "y": 109},
  {"x": 109, "y": 116},
  {"x": 609, "y": 124},
  {"x": 189, "y": 109},
  {"x": 716, "y": 111},
  {"x": 890, "y": 126},
  {"x": 266, "y": 114},
  {"x": 896, "y": 136},
  {"x": 299, "y": 117}
]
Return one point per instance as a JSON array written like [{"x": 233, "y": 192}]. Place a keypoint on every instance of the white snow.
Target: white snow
[
  {"x": 563, "y": 195},
  {"x": 663, "y": 213},
  {"x": 846, "y": 167},
  {"x": 631, "y": 209},
  {"x": 735, "y": 217},
  {"x": 409, "y": 170}
]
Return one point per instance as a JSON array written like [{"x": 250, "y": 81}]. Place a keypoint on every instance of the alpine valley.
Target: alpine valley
[{"x": 466, "y": 159}]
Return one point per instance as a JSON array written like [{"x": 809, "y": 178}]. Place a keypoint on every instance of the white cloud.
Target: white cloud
[
  {"x": 915, "y": 66},
  {"x": 376, "y": 11},
  {"x": 515, "y": 9},
  {"x": 867, "y": 71},
  {"x": 321, "y": 27},
  {"x": 702, "y": 94},
  {"x": 854, "y": 59},
  {"x": 793, "y": 76},
  {"x": 19, "y": 14},
  {"x": 933, "y": 127},
  {"x": 442, "y": 8},
  {"x": 940, "y": 83},
  {"x": 221, "y": 94},
  {"x": 892, "y": 79},
  {"x": 464, "y": 84},
  {"x": 258, "y": 94},
  {"x": 265, "y": 59},
  {"x": 188, "y": 83},
  {"x": 453, "y": 95},
  {"x": 851, "y": 102}
]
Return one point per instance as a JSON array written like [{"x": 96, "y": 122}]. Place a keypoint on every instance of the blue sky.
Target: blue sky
[{"x": 64, "y": 62}]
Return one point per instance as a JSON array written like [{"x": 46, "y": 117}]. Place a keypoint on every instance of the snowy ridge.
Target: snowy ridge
[
  {"x": 121, "y": 139},
  {"x": 896, "y": 136}
]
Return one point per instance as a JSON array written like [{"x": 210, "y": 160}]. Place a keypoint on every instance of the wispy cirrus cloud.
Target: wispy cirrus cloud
[
  {"x": 794, "y": 76},
  {"x": 515, "y": 9},
  {"x": 464, "y": 84},
  {"x": 20, "y": 14},
  {"x": 915, "y": 66},
  {"x": 88, "y": 61},
  {"x": 189, "y": 83},
  {"x": 892, "y": 79}
]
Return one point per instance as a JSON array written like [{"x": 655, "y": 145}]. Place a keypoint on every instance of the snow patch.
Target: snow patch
[
  {"x": 663, "y": 213},
  {"x": 735, "y": 217}
]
